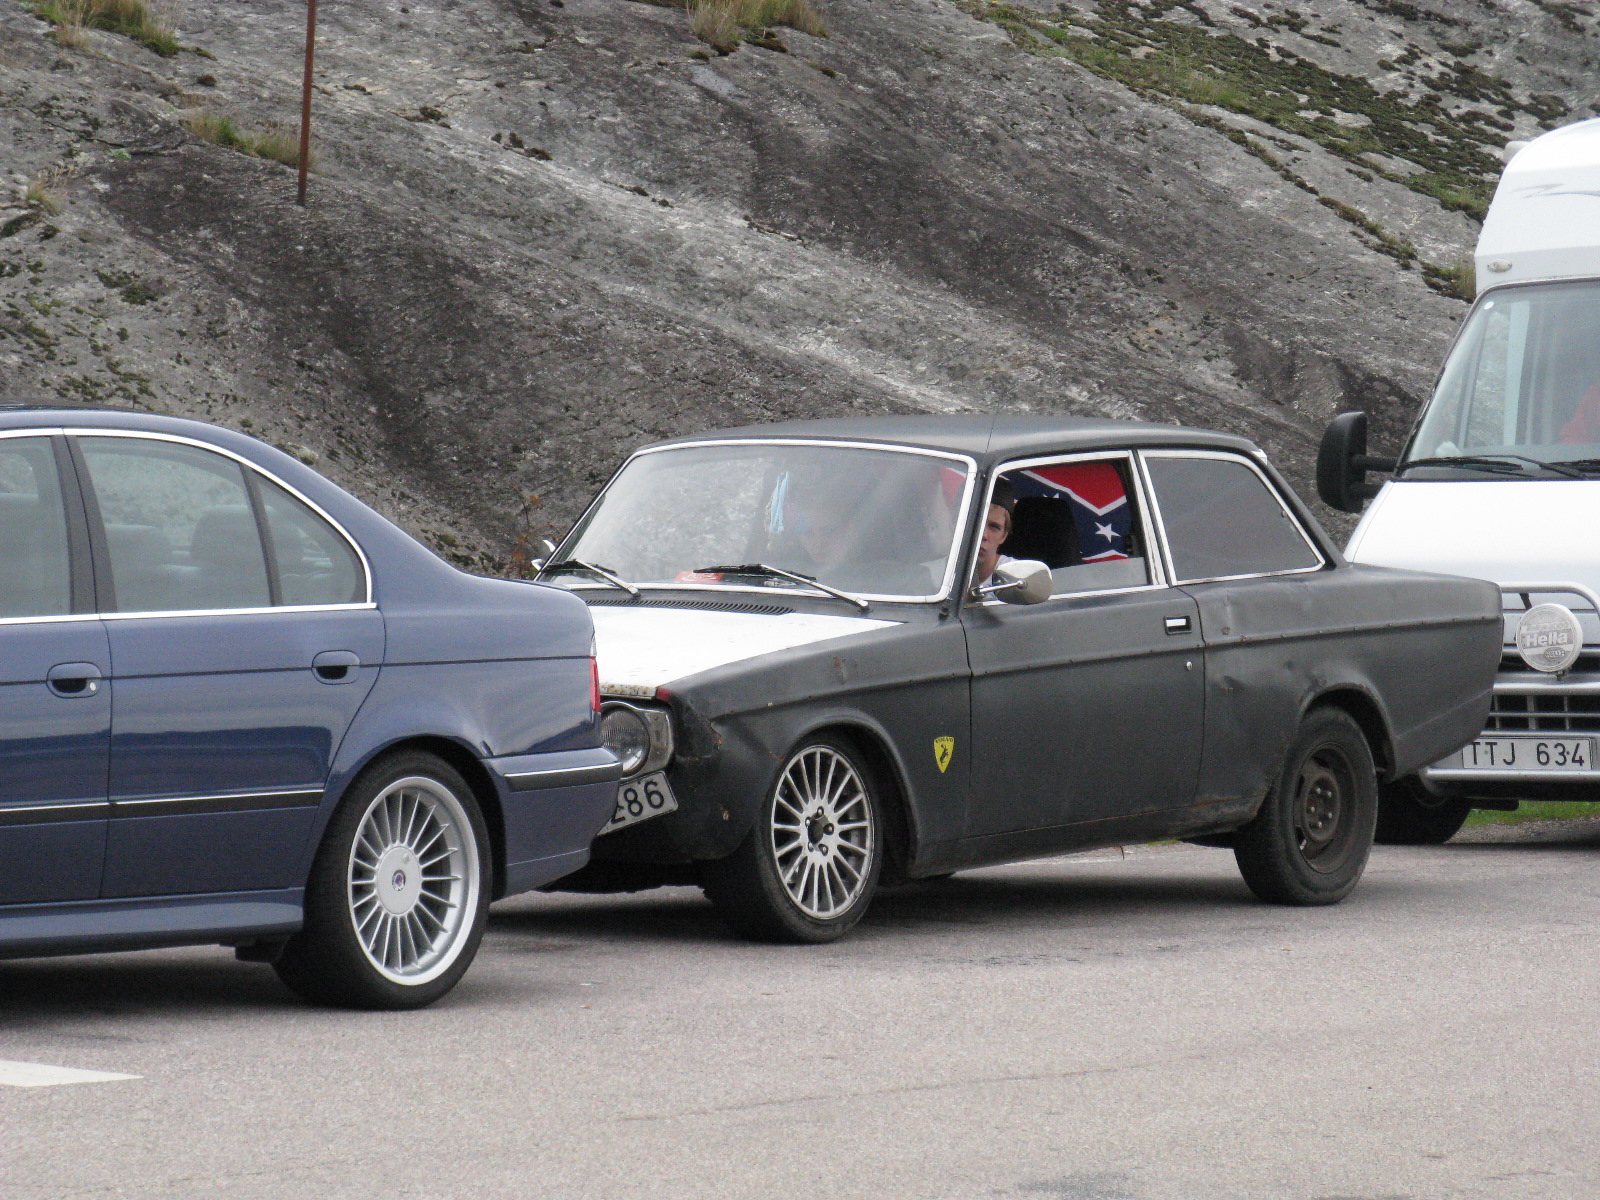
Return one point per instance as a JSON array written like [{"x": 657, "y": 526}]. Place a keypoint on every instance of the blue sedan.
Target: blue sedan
[{"x": 239, "y": 707}]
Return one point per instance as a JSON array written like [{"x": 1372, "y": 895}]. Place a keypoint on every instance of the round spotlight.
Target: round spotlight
[
  {"x": 1549, "y": 638},
  {"x": 624, "y": 733}
]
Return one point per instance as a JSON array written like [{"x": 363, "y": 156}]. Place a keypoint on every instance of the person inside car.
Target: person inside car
[{"x": 996, "y": 529}]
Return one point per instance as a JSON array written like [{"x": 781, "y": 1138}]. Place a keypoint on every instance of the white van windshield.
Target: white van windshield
[
  {"x": 1520, "y": 394},
  {"x": 869, "y": 522}
]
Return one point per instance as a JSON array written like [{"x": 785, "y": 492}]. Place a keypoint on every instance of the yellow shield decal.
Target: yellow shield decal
[{"x": 944, "y": 749}]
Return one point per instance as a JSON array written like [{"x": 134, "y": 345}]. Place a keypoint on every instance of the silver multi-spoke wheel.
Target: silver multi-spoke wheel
[
  {"x": 414, "y": 878},
  {"x": 822, "y": 832}
]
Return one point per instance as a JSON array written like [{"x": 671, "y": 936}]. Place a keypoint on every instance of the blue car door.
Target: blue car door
[
  {"x": 242, "y": 643},
  {"x": 55, "y": 704}
]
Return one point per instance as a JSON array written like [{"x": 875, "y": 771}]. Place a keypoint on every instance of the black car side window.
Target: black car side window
[
  {"x": 36, "y": 576},
  {"x": 1078, "y": 517},
  {"x": 180, "y": 528},
  {"x": 315, "y": 563},
  {"x": 1222, "y": 519}
]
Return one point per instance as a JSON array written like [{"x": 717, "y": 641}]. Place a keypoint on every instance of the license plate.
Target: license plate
[
  {"x": 1526, "y": 754},
  {"x": 640, "y": 799}
]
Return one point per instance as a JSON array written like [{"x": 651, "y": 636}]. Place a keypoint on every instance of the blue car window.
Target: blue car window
[
  {"x": 36, "y": 580},
  {"x": 179, "y": 526},
  {"x": 315, "y": 563}
]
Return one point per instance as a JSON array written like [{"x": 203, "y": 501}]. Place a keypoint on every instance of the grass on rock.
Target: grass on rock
[
  {"x": 723, "y": 24},
  {"x": 276, "y": 144},
  {"x": 135, "y": 19},
  {"x": 1438, "y": 135}
]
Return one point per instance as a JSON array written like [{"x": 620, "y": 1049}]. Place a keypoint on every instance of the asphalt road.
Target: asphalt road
[{"x": 1093, "y": 1028}]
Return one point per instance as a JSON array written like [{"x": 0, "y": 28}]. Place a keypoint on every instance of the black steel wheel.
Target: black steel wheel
[
  {"x": 1410, "y": 815},
  {"x": 399, "y": 892},
  {"x": 809, "y": 868},
  {"x": 1310, "y": 841}
]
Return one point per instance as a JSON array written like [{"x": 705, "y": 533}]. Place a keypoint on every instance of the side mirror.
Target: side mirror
[
  {"x": 1025, "y": 581},
  {"x": 1343, "y": 463}
]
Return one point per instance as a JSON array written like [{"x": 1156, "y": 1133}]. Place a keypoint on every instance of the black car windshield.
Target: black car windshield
[
  {"x": 872, "y": 522},
  {"x": 1521, "y": 390}
]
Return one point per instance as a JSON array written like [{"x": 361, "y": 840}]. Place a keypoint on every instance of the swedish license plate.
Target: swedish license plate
[
  {"x": 640, "y": 799},
  {"x": 1526, "y": 754}
]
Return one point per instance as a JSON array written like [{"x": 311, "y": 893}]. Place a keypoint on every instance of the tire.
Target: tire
[
  {"x": 381, "y": 932},
  {"x": 809, "y": 867},
  {"x": 1310, "y": 841},
  {"x": 1410, "y": 815}
]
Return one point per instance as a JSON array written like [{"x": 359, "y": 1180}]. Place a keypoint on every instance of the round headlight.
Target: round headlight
[
  {"x": 1549, "y": 637},
  {"x": 624, "y": 733}
]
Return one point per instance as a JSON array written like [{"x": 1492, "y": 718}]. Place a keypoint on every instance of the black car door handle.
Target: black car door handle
[
  {"x": 71, "y": 680},
  {"x": 1176, "y": 624},
  {"x": 336, "y": 666}
]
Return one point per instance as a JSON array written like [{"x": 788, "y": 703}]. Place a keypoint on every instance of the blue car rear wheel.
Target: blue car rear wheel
[{"x": 398, "y": 896}]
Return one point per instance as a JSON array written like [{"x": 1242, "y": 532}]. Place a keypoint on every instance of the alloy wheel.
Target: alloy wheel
[
  {"x": 822, "y": 832},
  {"x": 414, "y": 878}
]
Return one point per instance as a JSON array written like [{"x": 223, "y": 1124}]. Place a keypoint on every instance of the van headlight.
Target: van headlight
[{"x": 641, "y": 738}]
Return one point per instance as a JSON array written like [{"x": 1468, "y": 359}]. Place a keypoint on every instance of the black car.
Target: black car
[{"x": 821, "y": 677}]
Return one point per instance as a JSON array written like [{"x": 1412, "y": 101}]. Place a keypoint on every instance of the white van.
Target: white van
[{"x": 1500, "y": 479}]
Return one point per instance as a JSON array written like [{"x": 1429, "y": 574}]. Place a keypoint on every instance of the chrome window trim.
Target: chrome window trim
[
  {"x": 962, "y": 508},
  {"x": 246, "y": 464},
  {"x": 1155, "y": 563},
  {"x": 191, "y": 612},
  {"x": 1272, "y": 490},
  {"x": 234, "y": 612}
]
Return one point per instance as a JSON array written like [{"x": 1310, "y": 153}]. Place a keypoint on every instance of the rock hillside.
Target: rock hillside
[{"x": 543, "y": 232}]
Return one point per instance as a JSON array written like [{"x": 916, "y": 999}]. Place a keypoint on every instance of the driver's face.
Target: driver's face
[{"x": 995, "y": 531}]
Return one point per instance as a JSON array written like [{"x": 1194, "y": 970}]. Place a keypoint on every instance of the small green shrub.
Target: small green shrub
[
  {"x": 131, "y": 18},
  {"x": 38, "y": 196},
  {"x": 723, "y": 24},
  {"x": 1459, "y": 281},
  {"x": 275, "y": 143}
]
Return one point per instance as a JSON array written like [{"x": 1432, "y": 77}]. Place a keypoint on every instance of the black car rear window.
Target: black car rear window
[{"x": 1222, "y": 519}]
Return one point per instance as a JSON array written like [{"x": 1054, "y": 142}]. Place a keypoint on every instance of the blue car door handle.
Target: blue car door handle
[
  {"x": 336, "y": 666},
  {"x": 71, "y": 680}
]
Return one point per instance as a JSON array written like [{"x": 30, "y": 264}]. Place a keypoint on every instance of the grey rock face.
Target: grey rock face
[{"x": 541, "y": 234}]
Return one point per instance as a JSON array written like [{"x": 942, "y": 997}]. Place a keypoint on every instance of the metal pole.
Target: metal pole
[{"x": 305, "y": 99}]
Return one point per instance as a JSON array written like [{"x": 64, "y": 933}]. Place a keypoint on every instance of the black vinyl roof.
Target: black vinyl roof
[{"x": 985, "y": 437}]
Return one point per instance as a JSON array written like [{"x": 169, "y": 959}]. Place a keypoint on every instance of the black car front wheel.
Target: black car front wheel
[
  {"x": 1410, "y": 815},
  {"x": 809, "y": 868},
  {"x": 1310, "y": 841},
  {"x": 398, "y": 894}
]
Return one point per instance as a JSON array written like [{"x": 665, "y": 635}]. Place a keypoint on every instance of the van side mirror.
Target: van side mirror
[
  {"x": 1025, "y": 581},
  {"x": 1343, "y": 463}
]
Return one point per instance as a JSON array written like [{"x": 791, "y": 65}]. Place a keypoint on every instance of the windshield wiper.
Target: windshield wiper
[
  {"x": 577, "y": 564},
  {"x": 1494, "y": 462},
  {"x": 780, "y": 573},
  {"x": 1587, "y": 466}
]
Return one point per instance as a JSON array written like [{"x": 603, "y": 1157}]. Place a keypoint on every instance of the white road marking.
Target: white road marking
[{"x": 21, "y": 1074}]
